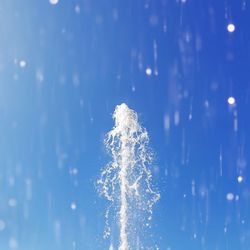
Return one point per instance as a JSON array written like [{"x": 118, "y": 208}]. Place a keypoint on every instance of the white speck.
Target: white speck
[
  {"x": 167, "y": 122},
  {"x": 54, "y": 1},
  {"x": 230, "y": 196},
  {"x": 74, "y": 171},
  {"x": 2, "y": 225},
  {"x": 165, "y": 27},
  {"x": 206, "y": 103},
  {"x": 231, "y": 100},
  {"x": 156, "y": 72},
  {"x": 240, "y": 179},
  {"x": 12, "y": 202},
  {"x": 230, "y": 27},
  {"x": 77, "y": 9},
  {"x": 235, "y": 124},
  {"x": 22, "y": 63},
  {"x": 149, "y": 71},
  {"x": 73, "y": 206},
  {"x": 187, "y": 37},
  {"x": 193, "y": 187},
  {"x": 176, "y": 118},
  {"x": 13, "y": 243},
  {"x": 166, "y": 172},
  {"x": 39, "y": 75}
]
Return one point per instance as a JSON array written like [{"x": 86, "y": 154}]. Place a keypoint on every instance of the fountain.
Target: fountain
[{"x": 127, "y": 180}]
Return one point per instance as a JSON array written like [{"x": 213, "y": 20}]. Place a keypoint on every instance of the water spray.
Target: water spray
[{"x": 127, "y": 180}]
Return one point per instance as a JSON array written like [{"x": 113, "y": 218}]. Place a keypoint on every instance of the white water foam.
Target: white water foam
[{"x": 127, "y": 180}]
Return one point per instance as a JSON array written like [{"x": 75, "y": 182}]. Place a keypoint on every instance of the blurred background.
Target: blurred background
[{"x": 183, "y": 65}]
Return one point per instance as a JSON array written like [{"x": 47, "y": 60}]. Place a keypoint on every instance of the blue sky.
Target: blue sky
[{"x": 63, "y": 69}]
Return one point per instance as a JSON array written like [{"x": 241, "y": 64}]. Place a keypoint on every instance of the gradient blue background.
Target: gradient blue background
[{"x": 64, "y": 68}]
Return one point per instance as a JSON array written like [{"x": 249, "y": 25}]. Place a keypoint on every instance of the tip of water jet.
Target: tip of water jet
[
  {"x": 122, "y": 106},
  {"x": 125, "y": 118}
]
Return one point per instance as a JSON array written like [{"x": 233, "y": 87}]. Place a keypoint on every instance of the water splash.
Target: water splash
[{"x": 126, "y": 180}]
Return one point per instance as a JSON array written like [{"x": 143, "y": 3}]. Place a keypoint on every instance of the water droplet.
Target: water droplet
[
  {"x": 230, "y": 27},
  {"x": 230, "y": 196},
  {"x": 13, "y": 243},
  {"x": 22, "y": 63},
  {"x": 240, "y": 179},
  {"x": 77, "y": 9},
  {"x": 73, "y": 206},
  {"x": 12, "y": 202},
  {"x": 231, "y": 100},
  {"x": 54, "y": 1},
  {"x": 149, "y": 71}
]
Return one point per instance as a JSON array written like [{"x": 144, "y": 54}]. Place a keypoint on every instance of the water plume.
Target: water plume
[{"x": 127, "y": 180}]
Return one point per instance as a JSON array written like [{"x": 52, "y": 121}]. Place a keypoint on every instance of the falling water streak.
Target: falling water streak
[
  {"x": 127, "y": 178},
  {"x": 123, "y": 186},
  {"x": 221, "y": 169}
]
